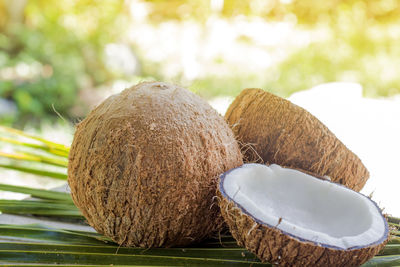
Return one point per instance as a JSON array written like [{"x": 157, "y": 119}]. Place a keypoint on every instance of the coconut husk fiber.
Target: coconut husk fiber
[
  {"x": 271, "y": 129},
  {"x": 144, "y": 165}
]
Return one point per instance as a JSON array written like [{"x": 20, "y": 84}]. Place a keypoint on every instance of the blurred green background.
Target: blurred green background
[{"x": 60, "y": 58}]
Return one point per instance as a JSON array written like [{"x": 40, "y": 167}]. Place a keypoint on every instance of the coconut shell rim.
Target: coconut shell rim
[{"x": 384, "y": 237}]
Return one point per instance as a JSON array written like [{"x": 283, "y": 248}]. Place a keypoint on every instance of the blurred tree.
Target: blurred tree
[
  {"x": 11, "y": 12},
  {"x": 51, "y": 49},
  {"x": 306, "y": 11}
]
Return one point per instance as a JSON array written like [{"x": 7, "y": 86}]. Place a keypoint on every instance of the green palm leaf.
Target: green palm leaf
[
  {"x": 38, "y": 193},
  {"x": 33, "y": 157},
  {"x": 29, "y": 245},
  {"x": 393, "y": 260},
  {"x": 38, "y": 147},
  {"x": 45, "y": 142},
  {"x": 41, "y": 234},
  {"x": 43, "y": 208},
  {"x": 51, "y": 174}
]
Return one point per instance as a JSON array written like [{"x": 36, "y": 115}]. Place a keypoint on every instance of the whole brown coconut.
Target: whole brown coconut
[
  {"x": 144, "y": 165},
  {"x": 274, "y": 130}
]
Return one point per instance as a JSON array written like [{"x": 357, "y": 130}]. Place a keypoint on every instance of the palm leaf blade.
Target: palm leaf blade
[
  {"x": 34, "y": 157},
  {"x": 55, "y": 175},
  {"x": 391, "y": 249},
  {"x": 239, "y": 254},
  {"x": 393, "y": 260},
  {"x": 47, "y": 256},
  {"x": 46, "y": 235},
  {"x": 34, "y": 207},
  {"x": 38, "y": 193},
  {"x": 48, "y": 143}
]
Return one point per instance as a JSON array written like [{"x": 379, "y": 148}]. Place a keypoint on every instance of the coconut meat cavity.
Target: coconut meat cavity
[{"x": 305, "y": 207}]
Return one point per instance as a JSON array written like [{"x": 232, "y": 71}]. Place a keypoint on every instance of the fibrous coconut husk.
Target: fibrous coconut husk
[
  {"x": 274, "y": 130},
  {"x": 144, "y": 165}
]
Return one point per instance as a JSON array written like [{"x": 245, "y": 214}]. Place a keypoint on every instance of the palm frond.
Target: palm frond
[
  {"x": 37, "y": 193},
  {"x": 51, "y": 174},
  {"x": 45, "y": 142},
  {"x": 34, "y": 157},
  {"x": 29, "y": 245},
  {"x": 69, "y": 247},
  {"x": 42, "y": 234},
  {"x": 40, "y": 207},
  {"x": 393, "y": 260},
  {"x": 40, "y": 147}
]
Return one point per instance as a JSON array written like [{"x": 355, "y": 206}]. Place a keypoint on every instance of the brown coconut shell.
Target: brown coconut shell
[
  {"x": 271, "y": 245},
  {"x": 144, "y": 165},
  {"x": 271, "y": 129}
]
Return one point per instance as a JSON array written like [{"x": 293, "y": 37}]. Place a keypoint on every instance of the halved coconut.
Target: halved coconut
[
  {"x": 288, "y": 217},
  {"x": 273, "y": 130}
]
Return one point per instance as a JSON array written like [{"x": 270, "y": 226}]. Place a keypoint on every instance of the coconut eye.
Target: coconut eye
[{"x": 277, "y": 211}]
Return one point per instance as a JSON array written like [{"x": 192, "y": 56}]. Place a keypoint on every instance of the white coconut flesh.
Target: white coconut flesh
[{"x": 305, "y": 207}]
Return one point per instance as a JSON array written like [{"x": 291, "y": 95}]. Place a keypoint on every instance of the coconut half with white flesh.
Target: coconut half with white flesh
[{"x": 291, "y": 218}]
